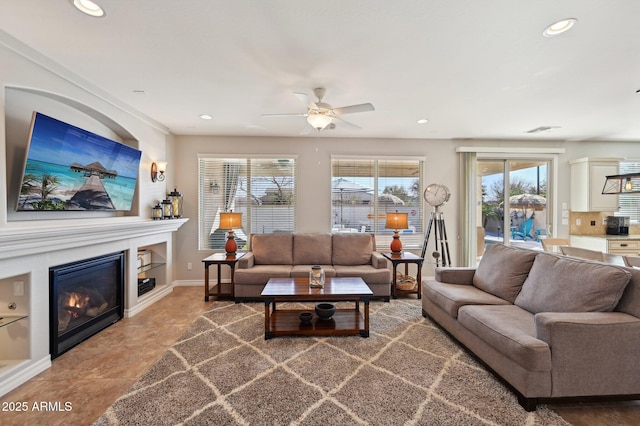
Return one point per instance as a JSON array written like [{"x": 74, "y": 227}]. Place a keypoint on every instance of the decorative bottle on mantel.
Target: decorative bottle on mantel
[{"x": 316, "y": 277}]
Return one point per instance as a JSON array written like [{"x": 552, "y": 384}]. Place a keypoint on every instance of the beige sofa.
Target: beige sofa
[
  {"x": 549, "y": 325},
  {"x": 292, "y": 255}
]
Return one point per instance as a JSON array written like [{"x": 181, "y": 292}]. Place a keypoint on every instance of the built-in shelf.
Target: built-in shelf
[
  {"x": 148, "y": 267},
  {"x": 8, "y": 319}
]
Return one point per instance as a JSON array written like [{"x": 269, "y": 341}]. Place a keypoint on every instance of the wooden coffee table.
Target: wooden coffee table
[{"x": 286, "y": 322}]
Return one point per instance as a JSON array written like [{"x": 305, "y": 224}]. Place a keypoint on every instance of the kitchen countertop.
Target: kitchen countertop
[{"x": 609, "y": 237}]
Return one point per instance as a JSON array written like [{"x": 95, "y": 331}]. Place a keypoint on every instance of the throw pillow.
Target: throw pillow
[
  {"x": 557, "y": 284},
  {"x": 502, "y": 270}
]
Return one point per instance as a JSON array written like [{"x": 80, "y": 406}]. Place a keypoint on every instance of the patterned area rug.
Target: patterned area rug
[{"x": 223, "y": 372}]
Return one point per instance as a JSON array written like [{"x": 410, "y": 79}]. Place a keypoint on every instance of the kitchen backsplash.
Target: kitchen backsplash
[{"x": 592, "y": 223}]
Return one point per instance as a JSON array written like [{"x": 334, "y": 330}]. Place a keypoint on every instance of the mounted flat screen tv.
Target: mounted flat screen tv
[{"x": 68, "y": 168}]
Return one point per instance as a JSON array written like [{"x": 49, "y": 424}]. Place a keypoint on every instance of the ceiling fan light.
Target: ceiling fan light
[{"x": 319, "y": 121}]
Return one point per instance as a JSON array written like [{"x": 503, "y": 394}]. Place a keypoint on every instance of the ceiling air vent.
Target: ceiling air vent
[{"x": 542, "y": 129}]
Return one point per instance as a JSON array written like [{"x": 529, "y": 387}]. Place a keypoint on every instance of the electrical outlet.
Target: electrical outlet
[
  {"x": 189, "y": 266},
  {"x": 578, "y": 222},
  {"x": 18, "y": 288}
]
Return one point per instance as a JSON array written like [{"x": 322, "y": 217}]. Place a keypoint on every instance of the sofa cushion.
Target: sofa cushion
[
  {"x": 272, "y": 249},
  {"x": 368, "y": 273},
  {"x": 450, "y": 297},
  {"x": 562, "y": 284},
  {"x": 503, "y": 270},
  {"x": 260, "y": 274},
  {"x": 312, "y": 249},
  {"x": 509, "y": 330},
  {"x": 302, "y": 271},
  {"x": 351, "y": 249}
]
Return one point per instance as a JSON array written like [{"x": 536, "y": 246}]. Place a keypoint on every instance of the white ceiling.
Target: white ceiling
[{"x": 476, "y": 69}]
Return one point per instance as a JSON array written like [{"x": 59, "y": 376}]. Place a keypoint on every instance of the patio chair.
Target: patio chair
[
  {"x": 525, "y": 232},
  {"x": 553, "y": 245}
]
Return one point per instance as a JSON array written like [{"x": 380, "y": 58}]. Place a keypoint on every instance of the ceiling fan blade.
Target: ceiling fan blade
[
  {"x": 302, "y": 97},
  {"x": 294, "y": 114},
  {"x": 306, "y": 130},
  {"x": 353, "y": 108},
  {"x": 344, "y": 123}
]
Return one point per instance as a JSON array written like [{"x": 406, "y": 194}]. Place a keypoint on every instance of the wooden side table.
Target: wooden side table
[
  {"x": 406, "y": 258},
  {"x": 220, "y": 259}
]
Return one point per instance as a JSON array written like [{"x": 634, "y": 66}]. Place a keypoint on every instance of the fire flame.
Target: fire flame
[{"x": 77, "y": 300}]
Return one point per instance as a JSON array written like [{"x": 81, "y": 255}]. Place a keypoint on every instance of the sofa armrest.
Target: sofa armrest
[
  {"x": 378, "y": 261},
  {"x": 247, "y": 261},
  {"x": 592, "y": 353},
  {"x": 551, "y": 326},
  {"x": 455, "y": 275}
]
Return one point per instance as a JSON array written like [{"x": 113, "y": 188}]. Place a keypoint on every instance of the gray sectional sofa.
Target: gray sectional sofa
[
  {"x": 549, "y": 325},
  {"x": 292, "y": 255}
]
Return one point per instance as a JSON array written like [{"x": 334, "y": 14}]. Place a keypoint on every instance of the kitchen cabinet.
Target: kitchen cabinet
[
  {"x": 587, "y": 179},
  {"x": 612, "y": 244}
]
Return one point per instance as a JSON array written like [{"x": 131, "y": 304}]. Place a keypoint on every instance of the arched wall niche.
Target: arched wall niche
[{"x": 20, "y": 102}]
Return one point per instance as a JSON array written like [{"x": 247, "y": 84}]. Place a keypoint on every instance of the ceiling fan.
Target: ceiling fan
[{"x": 321, "y": 115}]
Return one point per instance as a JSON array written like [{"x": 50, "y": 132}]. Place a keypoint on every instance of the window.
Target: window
[
  {"x": 364, "y": 189},
  {"x": 629, "y": 203},
  {"x": 262, "y": 189}
]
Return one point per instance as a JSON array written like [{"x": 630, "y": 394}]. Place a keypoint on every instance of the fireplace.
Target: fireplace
[{"x": 85, "y": 297}]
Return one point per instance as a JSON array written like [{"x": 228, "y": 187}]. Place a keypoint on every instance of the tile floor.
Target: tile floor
[{"x": 94, "y": 374}]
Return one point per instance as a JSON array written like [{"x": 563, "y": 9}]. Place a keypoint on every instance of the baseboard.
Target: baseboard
[
  {"x": 197, "y": 283},
  {"x": 26, "y": 373},
  {"x": 148, "y": 300}
]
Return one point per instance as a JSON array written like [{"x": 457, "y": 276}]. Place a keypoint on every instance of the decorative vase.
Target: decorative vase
[{"x": 316, "y": 277}]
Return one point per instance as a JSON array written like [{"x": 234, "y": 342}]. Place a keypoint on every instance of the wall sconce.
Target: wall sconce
[
  {"x": 622, "y": 184},
  {"x": 214, "y": 187},
  {"x": 157, "y": 171},
  {"x": 397, "y": 221}
]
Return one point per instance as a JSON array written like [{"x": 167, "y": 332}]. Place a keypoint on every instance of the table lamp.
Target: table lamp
[
  {"x": 230, "y": 221},
  {"x": 397, "y": 221}
]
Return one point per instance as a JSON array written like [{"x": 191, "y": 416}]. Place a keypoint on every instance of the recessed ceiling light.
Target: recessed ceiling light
[
  {"x": 423, "y": 121},
  {"x": 559, "y": 27},
  {"x": 88, "y": 7},
  {"x": 206, "y": 117}
]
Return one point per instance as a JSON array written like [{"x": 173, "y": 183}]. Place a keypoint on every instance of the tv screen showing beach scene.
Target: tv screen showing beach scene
[{"x": 68, "y": 168}]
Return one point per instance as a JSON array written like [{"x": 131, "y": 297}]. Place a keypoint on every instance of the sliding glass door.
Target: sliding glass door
[{"x": 513, "y": 202}]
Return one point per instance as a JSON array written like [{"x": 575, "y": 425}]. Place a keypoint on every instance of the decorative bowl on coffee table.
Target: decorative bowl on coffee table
[
  {"x": 325, "y": 310},
  {"x": 306, "y": 317}
]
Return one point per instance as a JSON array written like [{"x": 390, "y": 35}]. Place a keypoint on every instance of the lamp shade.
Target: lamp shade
[
  {"x": 397, "y": 221},
  {"x": 230, "y": 220}
]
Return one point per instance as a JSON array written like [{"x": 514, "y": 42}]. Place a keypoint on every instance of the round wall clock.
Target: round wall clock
[{"x": 436, "y": 194}]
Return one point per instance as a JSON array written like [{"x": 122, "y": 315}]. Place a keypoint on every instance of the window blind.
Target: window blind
[
  {"x": 629, "y": 203},
  {"x": 262, "y": 189},
  {"x": 365, "y": 189}
]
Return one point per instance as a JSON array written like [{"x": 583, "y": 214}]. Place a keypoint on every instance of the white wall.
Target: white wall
[
  {"x": 314, "y": 177},
  {"x": 31, "y": 243}
]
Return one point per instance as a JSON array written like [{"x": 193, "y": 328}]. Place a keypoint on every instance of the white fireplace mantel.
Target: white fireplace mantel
[
  {"x": 29, "y": 249},
  {"x": 27, "y": 240}
]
